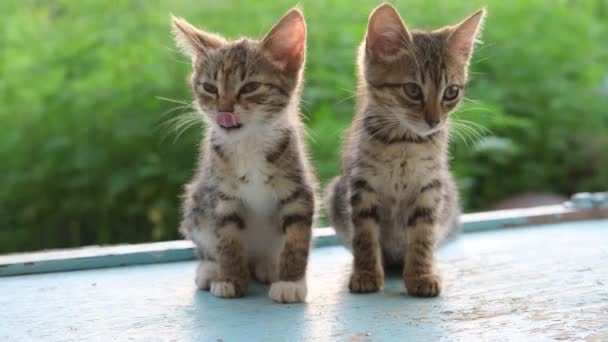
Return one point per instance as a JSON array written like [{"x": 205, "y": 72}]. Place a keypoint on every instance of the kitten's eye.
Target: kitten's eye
[
  {"x": 451, "y": 93},
  {"x": 249, "y": 87},
  {"x": 413, "y": 91},
  {"x": 210, "y": 88}
]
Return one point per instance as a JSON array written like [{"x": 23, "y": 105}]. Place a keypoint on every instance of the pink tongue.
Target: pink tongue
[{"x": 226, "y": 120}]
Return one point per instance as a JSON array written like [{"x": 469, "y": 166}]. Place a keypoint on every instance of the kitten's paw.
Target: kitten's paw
[
  {"x": 266, "y": 271},
  {"x": 226, "y": 289},
  {"x": 365, "y": 282},
  {"x": 206, "y": 272},
  {"x": 288, "y": 291},
  {"x": 427, "y": 285}
]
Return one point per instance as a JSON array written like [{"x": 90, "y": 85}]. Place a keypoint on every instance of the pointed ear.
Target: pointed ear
[
  {"x": 285, "y": 43},
  {"x": 387, "y": 37},
  {"x": 192, "y": 41},
  {"x": 465, "y": 34}
]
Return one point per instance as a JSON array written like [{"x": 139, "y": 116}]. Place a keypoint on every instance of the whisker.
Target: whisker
[
  {"x": 465, "y": 136},
  {"x": 171, "y": 110},
  {"x": 470, "y": 109},
  {"x": 346, "y": 98},
  {"x": 478, "y": 125},
  {"x": 471, "y": 100},
  {"x": 471, "y": 131},
  {"x": 480, "y": 60},
  {"x": 484, "y": 46},
  {"x": 473, "y": 135},
  {"x": 461, "y": 137},
  {"x": 173, "y": 100}
]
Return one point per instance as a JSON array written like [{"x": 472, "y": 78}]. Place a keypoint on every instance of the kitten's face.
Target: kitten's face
[
  {"x": 416, "y": 78},
  {"x": 246, "y": 83},
  {"x": 238, "y": 79}
]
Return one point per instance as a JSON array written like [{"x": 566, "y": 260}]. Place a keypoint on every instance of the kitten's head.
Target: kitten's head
[
  {"x": 245, "y": 83},
  {"x": 416, "y": 77}
]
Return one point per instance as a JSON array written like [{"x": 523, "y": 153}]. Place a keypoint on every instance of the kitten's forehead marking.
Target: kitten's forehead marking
[
  {"x": 430, "y": 54},
  {"x": 231, "y": 65},
  {"x": 236, "y": 59}
]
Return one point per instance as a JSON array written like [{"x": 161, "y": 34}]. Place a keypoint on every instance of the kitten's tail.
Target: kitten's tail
[{"x": 337, "y": 209}]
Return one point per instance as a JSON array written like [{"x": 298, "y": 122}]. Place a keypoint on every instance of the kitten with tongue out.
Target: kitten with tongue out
[
  {"x": 249, "y": 209},
  {"x": 227, "y": 120}
]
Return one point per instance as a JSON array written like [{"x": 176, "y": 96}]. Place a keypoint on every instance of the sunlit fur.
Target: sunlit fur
[
  {"x": 250, "y": 206},
  {"x": 396, "y": 198},
  {"x": 231, "y": 67},
  {"x": 421, "y": 57}
]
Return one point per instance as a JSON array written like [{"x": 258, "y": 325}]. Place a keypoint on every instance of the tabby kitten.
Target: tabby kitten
[
  {"x": 396, "y": 198},
  {"x": 249, "y": 208}
]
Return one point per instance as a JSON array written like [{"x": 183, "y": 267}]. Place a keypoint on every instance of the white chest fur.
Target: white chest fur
[
  {"x": 248, "y": 156},
  {"x": 262, "y": 235}
]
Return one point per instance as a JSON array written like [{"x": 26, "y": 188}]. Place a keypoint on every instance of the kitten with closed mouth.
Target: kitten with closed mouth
[
  {"x": 396, "y": 198},
  {"x": 250, "y": 207}
]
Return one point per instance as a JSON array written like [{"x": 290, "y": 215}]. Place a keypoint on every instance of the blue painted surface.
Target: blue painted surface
[
  {"x": 115, "y": 256},
  {"x": 539, "y": 283},
  {"x": 96, "y": 261}
]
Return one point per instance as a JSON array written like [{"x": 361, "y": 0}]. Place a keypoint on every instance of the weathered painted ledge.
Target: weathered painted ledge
[
  {"x": 537, "y": 283},
  {"x": 172, "y": 251}
]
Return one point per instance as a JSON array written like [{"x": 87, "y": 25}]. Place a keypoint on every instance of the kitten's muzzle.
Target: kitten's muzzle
[
  {"x": 432, "y": 122},
  {"x": 227, "y": 120}
]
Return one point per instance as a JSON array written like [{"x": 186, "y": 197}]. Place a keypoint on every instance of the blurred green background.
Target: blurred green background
[{"x": 91, "y": 154}]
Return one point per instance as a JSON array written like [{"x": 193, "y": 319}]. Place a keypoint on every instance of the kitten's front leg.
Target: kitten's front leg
[
  {"x": 420, "y": 274},
  {"x": 368, "y": 273},
  {"x": 296, "y": 213},
  {"x": 233, "y": 276}
]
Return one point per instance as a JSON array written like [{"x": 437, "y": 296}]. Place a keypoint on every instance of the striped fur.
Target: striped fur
[
  {"x": 396, "y": 198},
  {"x": 251, "y": 204}
]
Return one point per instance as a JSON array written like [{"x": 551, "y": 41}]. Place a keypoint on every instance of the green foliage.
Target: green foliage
[{"x": 87, "y": 157}]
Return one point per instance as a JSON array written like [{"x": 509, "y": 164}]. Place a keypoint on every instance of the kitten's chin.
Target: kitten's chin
[
  {"x": 425, "y": 131},
  {"x": 230, "y": 132},
  {"x": 229, "y": 129}
]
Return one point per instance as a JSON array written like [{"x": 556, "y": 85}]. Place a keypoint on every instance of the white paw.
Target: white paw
[
  {"x": 288, "y": 291},
  {"x": 223, "y": 289},
  {"x": 206, "y": 272},
  {"x": 266, "y": 271}
]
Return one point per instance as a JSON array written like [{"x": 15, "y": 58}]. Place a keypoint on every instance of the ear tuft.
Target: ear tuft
[
  {"x": 386, "y": 34},
  {"x": 192, "y": 41},
  {"x": 465, "y": 34},
  {"x": 285, "y": 43}
]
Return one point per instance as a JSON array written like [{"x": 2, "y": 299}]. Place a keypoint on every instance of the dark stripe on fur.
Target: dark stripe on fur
[
  {"x": 225, "y": 197},
  {"x": 379, "y": 133},
  {"x": 434, "y": 184},
  {"x": 282, "y": 146},
  {"x": 426, "y": 245},
  {"x": 233, "y": 218},
  {"x": 355, "y": 199},
  {"x": 219, "y": 151},
  {"x": 299, "y": 192},
  {"x": 277, "y": 88},
  {"x": 361, "y": 184},
  {"x": 368, "y": 213},
  {"x": 427, "y": 215},
  {"x": 295, "y": 218}
]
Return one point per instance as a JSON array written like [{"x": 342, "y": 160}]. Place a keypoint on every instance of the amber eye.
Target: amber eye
[
  {"x": 413, "y": 91},
  {"x": 249, "y": 87},
  {"x": 210, "y": 88},
  {"x": 451, "y": 93}
]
